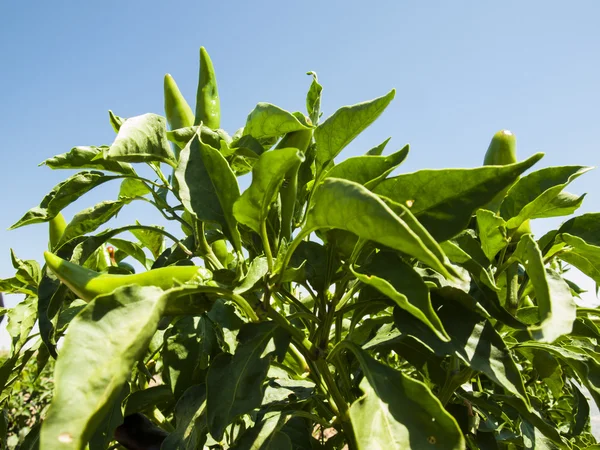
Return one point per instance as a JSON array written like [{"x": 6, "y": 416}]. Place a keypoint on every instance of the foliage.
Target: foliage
[{"x": 346, "y": 306}]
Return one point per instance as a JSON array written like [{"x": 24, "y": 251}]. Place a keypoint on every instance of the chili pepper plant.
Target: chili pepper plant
[{"x": 339, "y": 303}]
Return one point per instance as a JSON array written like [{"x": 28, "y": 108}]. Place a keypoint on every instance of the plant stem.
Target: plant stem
[
  {"x": 340, "y": 403},
  {"x": 265, "y": 240},
  {"x": 204, "y": 249}
]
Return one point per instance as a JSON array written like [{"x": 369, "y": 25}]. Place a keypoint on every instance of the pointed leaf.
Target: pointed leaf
[
  {"x": 368, "y": 170},
  {"x": 258, "y": 269},
  {"x": 465, "y": 251},
  {"x": 586, "y": 367},
  {"x": 142, "y": 139},
  {"x": 62, "y": 195},
  {"x": 378, "y": 150},
  {"x": 444, "y": 200},
  {"x": 270, "y": 121},
  {"x": 533, "y": 195},
  {"x": 235, "y": 383},
  {"x": 473, "y": 339},
  {"x": 188, "y": 346},
  {"x": 349, "y": 206},
  {"x": 397, "y": 280},
  {"x": 132, "y": 188},
  {"x": 252, "y": 208},
  {"x": 313, "y": 99},
  {"x": 492, "y": 233},
  {"x": 103, "y": 343},
  {"x": 208, "y": 188},
  {"x": 190, "y": 416},
  {"x": 397, "y": 412},
  {"x": 87, "y": 158},
  {"x": 345, "y": 124},
  {"x": 557, "y": 308},
  {"x": 90, "y": 219}
]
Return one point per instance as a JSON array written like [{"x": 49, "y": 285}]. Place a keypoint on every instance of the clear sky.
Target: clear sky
[{"x": 462, "y": 70}]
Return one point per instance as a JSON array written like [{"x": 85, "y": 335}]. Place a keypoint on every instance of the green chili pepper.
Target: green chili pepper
[
  {"x": 208, "y": 106},
  {"x": 88, "y": 284},
  {"x": 221, "y": 251},
  {"x": 289, "y": 190},
  {"x": 502, "y": 151},
  {"x": 178, "y": 112},
  {"x": 57, "y": 228}
]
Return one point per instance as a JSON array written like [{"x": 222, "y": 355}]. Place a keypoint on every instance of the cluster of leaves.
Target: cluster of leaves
[
  {"x": 27, "y": 404},
  {"x": 350, "y": 308}
]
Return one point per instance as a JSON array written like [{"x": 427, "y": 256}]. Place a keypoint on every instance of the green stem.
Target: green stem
[
  {"x": 340, "y": 403},
  {"x": 288, "y": 254},
  {"x": 296, "y": 334},
  {"x": 265, "y": 240},
  {"x": 236, "y": 298},
  {"x": 204, "y": 249}
]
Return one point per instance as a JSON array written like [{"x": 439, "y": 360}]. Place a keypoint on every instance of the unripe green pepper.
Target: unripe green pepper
[
  {"x": 502, "y": 151},
  {"x": 88, "y": 284},
  {"x": 221, "y": 251},
  {"x": 289, "y": 190},
  {"x": 208, "y": 105},
  {"x": 178, "y": 112},
  {"x": 57, "y": 227}
]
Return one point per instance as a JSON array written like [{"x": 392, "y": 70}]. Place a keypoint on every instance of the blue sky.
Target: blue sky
[{"x": 462, "y": 71}]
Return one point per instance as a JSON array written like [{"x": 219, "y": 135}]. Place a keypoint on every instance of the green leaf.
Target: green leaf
[
  {"x": 473, "y": 340},
  {"x": 577, "y": 243},
  {"x": 265, "y": 435},
  {"x": 258, "y": 269},
  {"x": 317, "y": 266},
  {"x": 188, "y": 346},
  {"x": 368, "y": 170},
  {"x": 27, "y": 271},
  {"x": 104, "y": 434},
  {"x": 397, "y": 280},
  {"x": 557, "y": 308},
  {"x": 21, "y": 319},
  {"x": 270, "y": 121},
  {"x": 586, "y": 367},
  {"x": 142, "y": 139},
  {"x": 190, "y": 417},
  {"x": 87, "y": 158},
  {"x": 533, "y": 195},
  {"x": 235, "y": 383},
  {"x": 132, "y": 249},
  {"x": 152, "y": 238},
  {"x": 132, "y": 188},
  {"x": 62, "y": 195},
  {"x": 344, "y": 125},
  {"x": 208, "y": 188},
  {"x": 313, "y": 99},
  {"x": 148, "y": 399},
  {"x": 349, "y": 206},
  {"x": 252, "y": 208},
  {"x": 492, "y": 233},
  {"x": 103, "y": 343},
  {"x": 465, "y": 251},
  {"x": 444, "y": 200},
  {"x": 115, "y": 121},
  {"x": 586, "y": 227},
  {"x": 378, "y": 150},
  {"x": 182, "y": 136},
  {"x": 397, "y": 412},
  {"x": 90, "y": 219}
]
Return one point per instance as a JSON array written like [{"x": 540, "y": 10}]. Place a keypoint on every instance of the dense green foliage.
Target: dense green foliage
[{"x": 344, "y": 305}]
